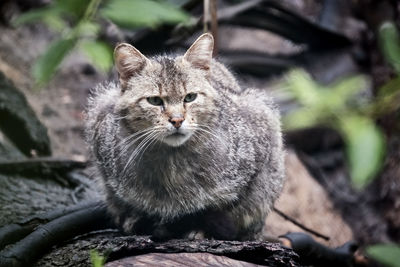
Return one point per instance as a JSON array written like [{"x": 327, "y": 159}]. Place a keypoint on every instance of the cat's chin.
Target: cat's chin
[{"x": 176, "y": 139}]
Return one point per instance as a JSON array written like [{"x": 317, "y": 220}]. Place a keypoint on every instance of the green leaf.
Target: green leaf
[
  {"x": 47, "y": 64},
  {"x": 389, "y": 255},
  {"x": 365, "y": 145},
  {"x": 87, "y": 29},
  {"x": 390, "y": 88},
  {"x": 55, "y": 23},
  {"x": 302, "y": 118},
  {"x": 305, "y": 90},
  {"x": 142, "y": 13},
  {"x": 96, "y": 259},
  {"x": 100, "y": 53},
  {"x": 390, "y": 43},
  {"x": 73, "y": 7},
  {"x": 179, "y": 3},
  {"x": 35, "y": 15},
  {"x": 347, "y": 88}
]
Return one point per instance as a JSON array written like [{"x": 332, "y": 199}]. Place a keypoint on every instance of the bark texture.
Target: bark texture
[{"x": 117, "y": 246}]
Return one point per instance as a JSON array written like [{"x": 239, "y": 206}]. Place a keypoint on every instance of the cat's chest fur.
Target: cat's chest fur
[{"x": 167, "y": 182}]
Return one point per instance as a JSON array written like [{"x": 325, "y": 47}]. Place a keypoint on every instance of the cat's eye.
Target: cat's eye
[
  {"x": 190, "y": 97},
  {"x": 155, "y": 100}
]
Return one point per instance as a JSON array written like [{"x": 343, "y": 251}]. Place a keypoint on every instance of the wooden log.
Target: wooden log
[
  {"x": 263, "y": 253},
  {"x": 180, "y": 260},
  {"x": 116, "y": 246}
]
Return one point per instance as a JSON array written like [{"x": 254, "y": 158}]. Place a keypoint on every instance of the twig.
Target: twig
[
  {"x": 286, "y": 217},
  {"x": 214, "y": 25},
  {"x": 206, "y": 14}
]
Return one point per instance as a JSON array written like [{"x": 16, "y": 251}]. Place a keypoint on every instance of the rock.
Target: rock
[
  {"x": 8, "y": 151},
  {"x": 306, "y": 201},
  {"x": 19, "y": 122}
]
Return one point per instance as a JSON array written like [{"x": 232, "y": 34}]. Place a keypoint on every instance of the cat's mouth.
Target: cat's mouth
[
  {"x": 176, "y": 139},
  {"x": 177, "y": 134}
]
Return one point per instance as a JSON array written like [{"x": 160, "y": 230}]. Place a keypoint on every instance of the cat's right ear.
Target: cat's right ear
[
  {"x": 129, "y": 62},
  {"x": 199, "y": 55}
]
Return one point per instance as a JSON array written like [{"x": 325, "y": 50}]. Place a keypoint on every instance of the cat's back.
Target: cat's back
[
  {"x": 233, "y": 99},
  {"x": 223, "y": 80},
  {"x": 249, "y": 119},
  {"x": 101, "y": 118}
]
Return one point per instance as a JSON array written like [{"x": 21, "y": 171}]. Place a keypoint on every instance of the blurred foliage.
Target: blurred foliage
[
  {"x": 151, "y": 13},
  {"x": 388, "y": 255},
  {"x": 78, "y": 22},
  {"x": 342, "y": 107},
  {"x": 335, "y": 106},
  {"x": 96, "y": 259},
  {"x": 388, "y": 100},
  {"x": 390, "y": 44},
  {"x": 46, "y": 65}
]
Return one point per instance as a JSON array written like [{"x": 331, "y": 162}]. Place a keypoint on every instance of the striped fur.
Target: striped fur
[{"x": 222, "y": 181}]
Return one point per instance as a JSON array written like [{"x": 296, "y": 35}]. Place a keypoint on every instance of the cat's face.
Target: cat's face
[{"x": 167, "y": 99}]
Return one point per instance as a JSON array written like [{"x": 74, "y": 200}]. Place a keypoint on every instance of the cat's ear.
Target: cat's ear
[
  {"x": 128, "y": 61},
  {"x": 200, "y": 53}
]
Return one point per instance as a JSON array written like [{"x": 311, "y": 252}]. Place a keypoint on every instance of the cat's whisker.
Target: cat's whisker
[
  {"x": 142, "y": 131},
  {"x": 200, "y": 128},
  {"x": 142, "y": 147},
  {"x": 138, "y": 149},
  {"x": 145, "y": 137},
  {"x": 129, "y": 143},
  {"x": 148, "y": 146},
  {"x": 120, "y": 118},
  {"x": 197, "y": 137},
  {"x": 130, "y": 137}
]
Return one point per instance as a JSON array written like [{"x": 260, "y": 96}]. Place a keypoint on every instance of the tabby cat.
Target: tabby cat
[{"x": 182, "y": 149}]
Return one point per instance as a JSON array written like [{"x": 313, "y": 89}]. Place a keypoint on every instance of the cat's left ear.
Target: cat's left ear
[
  {"x": 200, "y": 53},
  {"x": 129, "y": 62}
]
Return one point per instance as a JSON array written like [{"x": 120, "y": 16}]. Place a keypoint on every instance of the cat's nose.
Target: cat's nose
[{"x": 176, "y": 121}]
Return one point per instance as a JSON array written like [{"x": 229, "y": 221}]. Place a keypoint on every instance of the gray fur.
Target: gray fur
[{"x": 225, "y": 181}]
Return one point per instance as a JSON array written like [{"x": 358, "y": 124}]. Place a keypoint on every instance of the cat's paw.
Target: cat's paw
[
  {"x": 128, "y": 225},
  {"x": 161, "y": 233},
  {"x": 195, "y": 235}
]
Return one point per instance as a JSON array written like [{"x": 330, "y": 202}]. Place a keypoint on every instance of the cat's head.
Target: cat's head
[{"x": 169, "y": 99}]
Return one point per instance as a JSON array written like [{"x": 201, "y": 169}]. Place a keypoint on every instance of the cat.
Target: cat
[{"x": 182, "y": 149}]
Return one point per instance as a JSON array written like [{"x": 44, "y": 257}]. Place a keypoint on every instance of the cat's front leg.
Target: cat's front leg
[
  {"x": 195, "y": 235},
  {"x": 233, "y": 225},
  {"x": 128, "y": 219},
  {"x": 220, "y": 224}
]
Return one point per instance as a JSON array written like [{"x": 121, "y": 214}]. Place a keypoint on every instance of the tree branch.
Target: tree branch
[
  {"x": 29, "y": 249},
  {"x": 16, "y": 231},
  {"x": 305, "y": 228}
]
